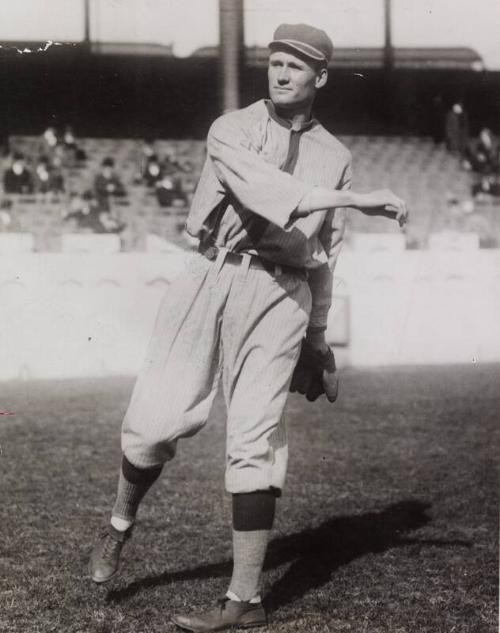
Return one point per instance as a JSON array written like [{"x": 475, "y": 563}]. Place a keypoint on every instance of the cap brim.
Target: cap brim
[{"x": 301, "y": 47}]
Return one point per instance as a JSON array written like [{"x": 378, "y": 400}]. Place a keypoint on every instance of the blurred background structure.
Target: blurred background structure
[{"x": 105, "y": 107}]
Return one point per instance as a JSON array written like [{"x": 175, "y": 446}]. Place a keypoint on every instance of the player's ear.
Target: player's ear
[{"x": 321, "y": 77}]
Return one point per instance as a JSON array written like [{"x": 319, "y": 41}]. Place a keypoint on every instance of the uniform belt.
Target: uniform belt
[{"x": 210, "y": 251}]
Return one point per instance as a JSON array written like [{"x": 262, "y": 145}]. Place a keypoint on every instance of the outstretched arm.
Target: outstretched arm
[
  {"x": 380, "y": 201},
  {"x": 274, "y": 194}
]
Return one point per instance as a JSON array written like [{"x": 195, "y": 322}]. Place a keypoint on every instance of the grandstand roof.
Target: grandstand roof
[
  {"x": 372, "y": 57},
  {"x": 462, "y": 58}
]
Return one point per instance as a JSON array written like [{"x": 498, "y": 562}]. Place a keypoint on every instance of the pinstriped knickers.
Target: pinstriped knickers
[{"x": 219, "y": 319}]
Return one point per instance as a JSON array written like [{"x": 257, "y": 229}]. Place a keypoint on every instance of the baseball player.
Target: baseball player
[{"x": 250, "y": 310}]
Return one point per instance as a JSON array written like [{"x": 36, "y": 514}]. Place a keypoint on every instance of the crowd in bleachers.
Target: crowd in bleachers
[
  {"x": 479, "y": 154},
  {"x": 161, "y": 175},
  {"x": 57, "y": 183},
  {"x": 482, "y": 157},
  {"x": 472, "y": 202},
  {"x": 90, "y": 185}
]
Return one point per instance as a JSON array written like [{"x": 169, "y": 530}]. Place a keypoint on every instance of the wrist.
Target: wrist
[
  {"x": 316, "y": 338},
  {"x": 358, "y": 199}
]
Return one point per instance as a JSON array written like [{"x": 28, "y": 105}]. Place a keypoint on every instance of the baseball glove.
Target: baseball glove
[{"x": 315, "y": 373}]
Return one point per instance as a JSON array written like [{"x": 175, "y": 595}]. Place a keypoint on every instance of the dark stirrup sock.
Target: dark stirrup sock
[
  {"x": 132, "y": 486},
  {"x": 253, "y": 516}
]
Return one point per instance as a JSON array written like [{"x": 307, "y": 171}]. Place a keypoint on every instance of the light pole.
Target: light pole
[
  {"x": 388, "y": 50},
  {"x": 231, "y": 48},
  {"x": 86, "y": 24}
]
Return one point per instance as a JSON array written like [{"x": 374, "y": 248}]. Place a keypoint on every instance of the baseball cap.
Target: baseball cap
[{"x": 308, "y": 40}]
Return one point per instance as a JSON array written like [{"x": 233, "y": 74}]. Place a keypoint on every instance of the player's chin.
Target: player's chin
[{"x": 283, "y": 98}]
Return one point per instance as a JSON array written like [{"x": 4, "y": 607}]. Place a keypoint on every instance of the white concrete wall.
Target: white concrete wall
[
  {"x": 420, "y": 307},
  {"x": 65, "y": 315}
]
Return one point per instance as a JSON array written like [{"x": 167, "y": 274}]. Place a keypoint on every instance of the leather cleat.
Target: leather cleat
[
  {"x": 227, "y": 615},
  {"x": 105, "y": 557}
]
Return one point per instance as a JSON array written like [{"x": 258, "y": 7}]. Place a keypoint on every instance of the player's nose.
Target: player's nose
[{"x": 283, "y": 76}]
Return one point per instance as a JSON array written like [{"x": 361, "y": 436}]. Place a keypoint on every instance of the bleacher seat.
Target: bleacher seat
[{"x": 424, "y": 174}]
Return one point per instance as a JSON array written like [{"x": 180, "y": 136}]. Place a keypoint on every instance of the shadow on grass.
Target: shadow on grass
[{"x": 315, "y": 553}]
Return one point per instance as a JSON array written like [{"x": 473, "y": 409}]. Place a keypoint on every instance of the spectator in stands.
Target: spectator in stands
[
  {"x": 437, "y": 122},
  {"x": 69, "y": 139},
  {"x": 57, "y": 174},
  {"x": 172, "y": 165},
  {"x": 71, "y": 145},
  {"x": 457, "y": 129},
  {"x": 91, "y": 213},
  {"x": 49, "y": 142},
  {"x": 18, "y": 178},
  {"x": 486, "y": 186},
  {"x": 483, "y": 153},
  {"x": 483, "y": 158},
  {"x": 148, "y": 148},
  {"x": 47, "y": 179},
  {"x": 42, "y": 175},
  {"x": 153, "y": 172},
  {"x": 107, "y": 183},
  {"x": 169, "y": 193},
  {"x": 187, "y": 166},
  {"x": 50, "y": 137}
]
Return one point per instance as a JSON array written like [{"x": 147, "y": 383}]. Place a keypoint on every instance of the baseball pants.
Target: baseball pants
[{"x": 221, "y": 320}]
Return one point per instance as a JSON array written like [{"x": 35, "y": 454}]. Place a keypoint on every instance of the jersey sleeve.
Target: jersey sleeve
[
  {"x": 256, "y": 184},
  {"x": 321, "y": 279}
]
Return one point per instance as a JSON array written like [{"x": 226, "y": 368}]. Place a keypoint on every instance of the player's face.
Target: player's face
[{"x": 292, "y": 81}]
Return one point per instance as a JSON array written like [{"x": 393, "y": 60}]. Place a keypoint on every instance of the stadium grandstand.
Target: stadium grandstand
[
  {"x": 74, "y": 108},
  {"x": 430, "y": 178},
  {"x": 387, "y": 103}
]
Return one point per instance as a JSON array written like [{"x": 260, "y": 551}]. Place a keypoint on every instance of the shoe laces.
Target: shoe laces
[{"x": 109, "y": 543}]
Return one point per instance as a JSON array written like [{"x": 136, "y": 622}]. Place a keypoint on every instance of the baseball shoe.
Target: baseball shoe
[
  {"x": 228, "y": 614},
  {"x": 105, "y": 556}
]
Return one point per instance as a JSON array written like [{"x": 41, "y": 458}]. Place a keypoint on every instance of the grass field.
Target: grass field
[{"x": 388, "y": 522}]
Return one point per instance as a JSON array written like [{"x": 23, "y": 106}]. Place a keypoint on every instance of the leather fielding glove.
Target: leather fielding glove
[{"x": 315, "y": 373}]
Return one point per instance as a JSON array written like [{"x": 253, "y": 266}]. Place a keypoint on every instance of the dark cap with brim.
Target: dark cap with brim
[{"x": 307, "y": 40}]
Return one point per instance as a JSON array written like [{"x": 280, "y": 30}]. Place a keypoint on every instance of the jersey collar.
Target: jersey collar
[{"x": 284, "y": 122}]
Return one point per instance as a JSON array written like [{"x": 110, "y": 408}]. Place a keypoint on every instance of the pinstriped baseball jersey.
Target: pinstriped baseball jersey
[{"x": 257, "y": 171}]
